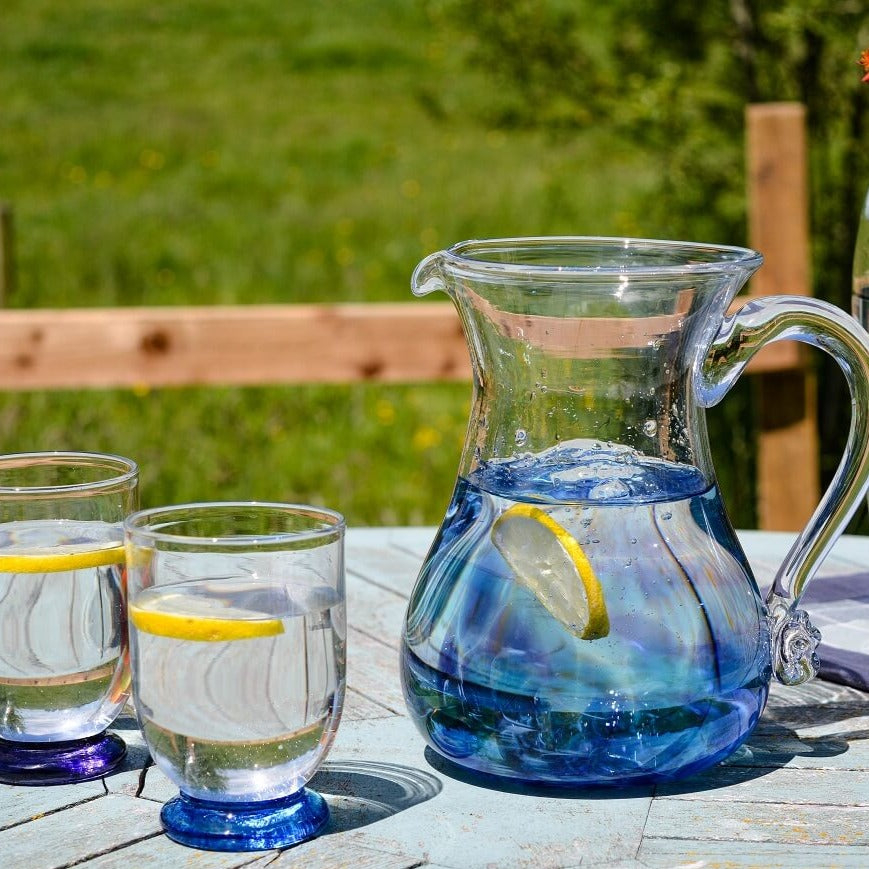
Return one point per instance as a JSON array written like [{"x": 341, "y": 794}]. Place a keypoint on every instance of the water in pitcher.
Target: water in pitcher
[
  {"x": 62, "y": 624},
  {"x": 586, "y": 616},
  {"x": 239, "y": 683}
]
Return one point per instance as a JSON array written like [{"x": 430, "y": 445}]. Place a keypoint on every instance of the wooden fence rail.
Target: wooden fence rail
[
  {"x": 245, "y": 345},
  {"x": 238, "y": 344}
]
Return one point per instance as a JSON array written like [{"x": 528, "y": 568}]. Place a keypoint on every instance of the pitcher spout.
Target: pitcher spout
[{"x": 428, "y": 275}]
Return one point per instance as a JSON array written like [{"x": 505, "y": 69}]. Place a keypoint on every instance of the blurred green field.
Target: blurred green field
[{"x": 215, "y": 152}]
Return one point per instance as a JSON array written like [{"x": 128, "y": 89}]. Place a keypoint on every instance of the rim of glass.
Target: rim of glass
[
  {"x": 124, "y": 470},
  {"x": 718, "y": 257},
  {"x": 138, "y": 524}
]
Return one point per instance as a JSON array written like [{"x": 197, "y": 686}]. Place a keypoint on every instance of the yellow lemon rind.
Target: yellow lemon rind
[
  {"x": 58, "y": 562},
  {"x": 597, "y": 624},
  {"x": 202, "y": 629}
]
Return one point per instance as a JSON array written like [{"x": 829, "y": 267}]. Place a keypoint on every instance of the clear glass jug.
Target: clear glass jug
[{"x": 586, "y": 614}]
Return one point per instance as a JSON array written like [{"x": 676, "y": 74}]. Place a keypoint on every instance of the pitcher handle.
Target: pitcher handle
[{"x": 812, "y": 321}]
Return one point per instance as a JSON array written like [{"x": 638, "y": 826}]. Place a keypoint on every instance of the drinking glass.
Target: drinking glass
[
  {"x": 64, "y": 668},
  {"x": 237, "y": 638}
]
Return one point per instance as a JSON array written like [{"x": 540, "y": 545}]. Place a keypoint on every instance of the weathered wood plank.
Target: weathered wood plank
[
  {"x": 376, "y": 611},
  {"x": 125, "y": 780},
  {"x": 328, "y": 853},
  {"x": 162, "y": 851},
  {"x": 372, "y": 670},
  {"x": 360, "y": 708},
  {"x": 705, "y": 819},
  {"x": 392, "y": 567},
  {"x": 414, "y": 541},
  {"x": 157, "y": 787},
  {"x": 246, "y": 344},
  {"x": 468, "y": 825},
  {"x": 667, "y": 853},
  {"x": 774, "y": 785},
  {"x": 772, "y": 746},
  {"x": 20, "y": 804},
  {"x": 83, "y": 831}
]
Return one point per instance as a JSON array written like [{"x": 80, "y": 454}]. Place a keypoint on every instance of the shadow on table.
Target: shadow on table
[
  {"x": 137, "y": 757},
  {"x": 771, "y": 747},
  {"x": 362, "y": 792},
  {"x": 489, "y": 782}
]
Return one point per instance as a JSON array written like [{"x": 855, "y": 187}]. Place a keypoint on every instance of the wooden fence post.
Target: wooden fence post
[{"x": 788, "y": 461}]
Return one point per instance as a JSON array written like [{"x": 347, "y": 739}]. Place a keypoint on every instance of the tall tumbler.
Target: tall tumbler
[
  {"x": 64, "y": 666},
  {"x": 237, "y": 635}
]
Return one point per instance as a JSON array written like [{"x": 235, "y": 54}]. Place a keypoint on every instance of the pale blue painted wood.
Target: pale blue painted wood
[
  {"x": 391, "y": 568},
  {"x": 358, "y": 707},
  {"x": 759, "y": 822},
  {"x": 372, "y": 669},
  {"x": 161, "y": 851},
  {"x": 82, "y": 831},
  {"x": 411, "y": 541},
  {"x": 21, "y": 804},
  {"x": 394, "y": 807},
  {"x": 126, "y": 778},
  {"x": 669, "y": 853},
  {"x": 459, "y": 823},
  {"x": 780, "y": 786},
  {"x": 416, "y": 541},
  {"x": 830, "y": 754},
  {"x": 766, "y": 550},
  {"x": 376, "y": 611},
  {"x": 18, "y": 804},
  {"x": 158, "y": 787},
  {"x": 328, "y": 852}
]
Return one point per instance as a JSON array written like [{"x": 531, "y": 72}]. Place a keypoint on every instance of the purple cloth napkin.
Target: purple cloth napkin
[{"x": 839, "y": 607}]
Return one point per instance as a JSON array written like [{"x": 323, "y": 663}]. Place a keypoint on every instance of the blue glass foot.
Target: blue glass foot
[
  {"x": 245, "y": 826},
  {"x": 60, "y": 763}
]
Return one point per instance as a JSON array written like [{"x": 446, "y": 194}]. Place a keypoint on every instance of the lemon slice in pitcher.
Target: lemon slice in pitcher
[
  {"x": 548, "y": 561},
  {"x": 240, "y": 625}
]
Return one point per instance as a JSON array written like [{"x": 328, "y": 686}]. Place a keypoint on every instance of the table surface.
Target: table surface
[{"x": 797, "y": 794}]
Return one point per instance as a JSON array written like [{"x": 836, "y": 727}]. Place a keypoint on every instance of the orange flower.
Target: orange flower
[{"x": 864, "y": 62}]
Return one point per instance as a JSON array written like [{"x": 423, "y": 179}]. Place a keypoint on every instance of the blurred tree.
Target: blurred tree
[
  {"x": 677, "y": 80},
  {"x": 676, "y": 77}
]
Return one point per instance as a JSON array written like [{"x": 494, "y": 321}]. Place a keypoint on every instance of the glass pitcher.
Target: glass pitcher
[{"x": 586, "y": 614}]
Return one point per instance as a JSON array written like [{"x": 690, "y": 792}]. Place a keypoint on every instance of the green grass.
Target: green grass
[
  {"x": 215, "y": 152},
  {"x": 203, "y": 764},
  {"x": 51, "y": 697}
]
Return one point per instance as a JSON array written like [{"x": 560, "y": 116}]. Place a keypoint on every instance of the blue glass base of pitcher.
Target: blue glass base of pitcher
[
  {"x": 503, "y": 684},
  {"x": 520, "y": 738},
  {"x": 261, "y": 826},
  {"x": 60, "y": 763}
]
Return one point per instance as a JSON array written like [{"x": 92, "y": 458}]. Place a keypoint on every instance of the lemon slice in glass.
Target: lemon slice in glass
[
  {"x": 241, "y": 625},
  {"x": 548, "y": 561},
  {"x": 61, "y": 558}
]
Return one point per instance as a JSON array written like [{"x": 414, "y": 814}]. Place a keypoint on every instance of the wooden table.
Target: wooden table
[{"x": 796, "y": 795}]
